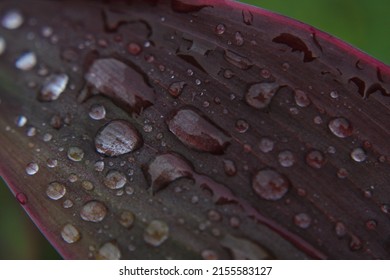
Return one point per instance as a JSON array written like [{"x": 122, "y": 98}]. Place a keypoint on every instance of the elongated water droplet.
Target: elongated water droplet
[
  {"x": 55, "y": 191},
  {"x": 26, "y": 61},
  {"x": 340, "y": 127},
  {"x": 109, "y": 251},
  {"x": 13, "y": 19},
  {"x": 197, "y": 132},
  {"x": 260, "y": 95},
  {"x": 116, "y": 138},
  {"x": 93, "y": 211},
  {"x": 32, "y": 168},
  {"x": 270, "y": 185},
  {"x": 315, "y": 159},
  {"x": 156, "y": 233},
  {"x": 115, "y": 180},
  {"x": 176, "y": 88},
  {"x": 75, "y": 154},
  {"x": 70, "y": 234},
  {"x": 53, "y": 87},
  {"x": 358, "y": 155}
]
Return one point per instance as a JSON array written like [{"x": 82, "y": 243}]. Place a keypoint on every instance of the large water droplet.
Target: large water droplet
[
  {"x": 32, "y": 168},
  {"x": 75, "y": 154},
  {"x": 270, "y": 185},
  {"x": 26, "y": 61},
  {"x": 93, "y": 211},
  {"x": 109, "y": 251},
  {"x": 97, "y": 112},
  {"x": 115, "y": 180},
  {"x": 13, "y": 19},
  {"x": 156, "y": 233},
  {"x": 315, "y": 159},
  {"x": 55, "y": 191},
  {"x": 176, "y": 88},
  {"x": 302, "y": 220},
  {"x": 197, "y": 132},
  {"x": 340, "y": 127},
  {"x": 229, "y": 167},
  {"x": 70, "y": 234},
  {"x": 358, "y": 155},
  {"x": 116, "y": 138},
  {"x": 53, "y": 87},
  {"x": 259, "y": 95},
  {"x": 126, "y": 219},
  {"x": 286, "y": 158}
]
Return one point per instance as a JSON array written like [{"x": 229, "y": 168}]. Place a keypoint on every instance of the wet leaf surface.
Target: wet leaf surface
[{"x": 160, "y": 129}]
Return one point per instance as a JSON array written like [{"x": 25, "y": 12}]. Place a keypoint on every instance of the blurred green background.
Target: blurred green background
[{"x": 364, "y": 24}]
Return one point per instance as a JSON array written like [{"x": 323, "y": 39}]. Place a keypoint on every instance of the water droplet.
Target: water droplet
[
  {"x": 238, "y": 39},
  {"x": 342, "y": 173},
  {"x": 241, "y": 126},
  {"x": 134, "y": 48},
  {"x": 70, "y": 234},
  {"x": 53, "y": 87},
  {"x": 317, "y": 120},
  {"x": 270, "y": 185},
  {"x": 266, "y": 145},
  {"x": 340, "y": 229},
  {"x": 97, "y": 112},
  {"x": 115, "y": 180},
  {"x": 315, "y": 159},
  {"x": 21, "y": 198},
  {"x": 371, "y": 224},
  {"x": 75, "y": 154},
  {"x": 31, "y": 131},
  {"x": 234, "y": 222},
  {"x": 214, "y": 216},
  {"x": 260, "y": 95},
  {"x": 285, "y": 66},
  {"x": 32, "y": 168},
  {"x": 340, "y": 127},
  {"x": 301, "y": 98},
  {"x": 21, "y": 121},
  {"x": 197, "y": 132},
  {"x": 13, "y": 19},
  {"x": 229, "y": 167},
  {"x": 99, "y": 166},
  {"x": 126, "y": 219},
  {"x": 358, "y": 155},
  {"x": 156, "y": 233},
  {"x": 93, "y": 211},
  {"x": 176, "y": 88},
  {"x": 334, "y": 94},
  {"x": 209, "y": 255},
  {"x": 67, "y": 204},
  {"x": 87, "y": 185},
  {"x": 55, "y": 191},
  {"x": 46, "y": 31},
  {"x": 247, "y": 17},
  {"x": 109, "y": 251},
  {"x": 56, "y": 121},
  {"x": 355, "y": 243},
  {"x": 2, "y": 45},
  {"x": 116, "y": 138},
  {"x": 220, "y": 29},
  {"x": 228, "y": 74},
  {"x": 26, "y": 61},
  {"x": 237, "y": 60},
  {"x": 51, "y": 163},
  {"x": 47, "y": 137},
  {"x": 385, "y": 208},
  {"x": 302, "y": 220},
  {"x": 167, "y": 168},
  {"x": 286, "y": 158}
]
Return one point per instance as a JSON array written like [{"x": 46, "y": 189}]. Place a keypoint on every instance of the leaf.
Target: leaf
[{"x": 182, "y": 129}]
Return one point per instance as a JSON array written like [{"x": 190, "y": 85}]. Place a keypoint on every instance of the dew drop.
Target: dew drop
[
  {"x": 228, "y": 74},
  {"x": 260, "y": 95},
  {"x": 51, "y": 163},
  {"x": 385, "y": 208},
  {"x": 286, "y": 158},
  {"x": 126, "y": 219},
  {"x": 371, "y": 224},
  {"x": 340, "y": 127},
  {"x": 214, "y": 216},
  {"x": 266, "y": 145},
  {"x": 47, "y": 137},
  {"x": 53, "y": 87},
  {"x": 134, "y": 48},
  {"x": 220, "y": 29},
  {"x": 241, "y": 126},
  {"x": 115, "y": 180},
  {"x": 197, "y": 132},
  {"x": 238, "y": 39},
  {"x": 2, "y": 45},
  {"x": 175, "y": 89},
  {"x": 32, "y": 168},
  {"x": 75, "y": 154},
  {"x": 87, "y": 185},
  {"x": 55, "y": 191},
  {"x": 109, "y": 251},
  {"x": 156, "y": 233},
  {"x": 13, "y": 19},
  {"x": 342, "y": 173},
  {"x": 26, "y": 61},
  {"x": 270, "y": 185},
  {"x": 93, "y": 211},
  {"x": 247, "y": 17},
  {"x": 21, "y": 121},
  {"x": 67, "y": 204},
  {"x": 317, "y": 120},
  {"x": 97, "y": 112},
  {"x": 229, "y": 167},
  {"x": 334, "y": 94},
  {"x": 355, "y": 243},
  {"x": 302, "y": 220},
  {"x": 301, "y": 98},
  {"x": 116, "y": 138},
  {"x": 315, "y": 159},
  {"x": 99, "y": 166},
  {"x": 70, "y": 234},
  {"x": 31, "y": 131},
  {"x": 340, "y": 229},
  {"x": 358, "y": 155},
  {"x": 21, "y": 198}
]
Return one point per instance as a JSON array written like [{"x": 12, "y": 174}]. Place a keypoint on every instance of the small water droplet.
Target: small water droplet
[
  {"x": 67, "y": 204},
  {"x": 109, "y": 251},
  {"x": 31, "y": 131},
  {"x": 266, "y": 145},
  {"x": 26, "y": 61},
  {"x": 126, "y": 219},
  {"x": 220, "y": 29},
  {"x": 234, "y": 222},
  {"x": 32, "y": 168},
  {"x": 55, "y": 191},
  {"x": 51, "y": 163},
  {"x": 53, "y": 87},
  {"x": 99, "y": 166},
  {"x": 75, "y": 154},
  {"x": 175, "y": 89},
  {"x": 229, "y": 167},
  {"x": 13, "y": 19},
  {"x": 134, "y": 48},
  {"x": 97, "y": 112},
  {"x": 21, "y": 198},
  {"x": 47, "y": 137},
  {"x": 228, "y": 74},
  {"x": 285, "y": 66},
  {"x": 116, "y": 138},
  {"x": 260, "y": 95},
  {"x": 87, "y": 185},
  {"x": 238, "y": 39},
  {"x": 340, "y": 127},
  {"x": 73, "y": 178},
  {"x": 358, "y": 155},
  {"x": 340, "y": 229},
  {"x": 302, "y": 220},
  {"x": 46, "y": 31},
  {"x": 371, "y": 224},
  {"x": 115, "y": 180},
  {"x": 156, "y": 233},
  {"x": 21, "y": 121},
  {"x": 385, "y": 208},
  {"x": 93, "y": 211},
  {"x": 214, "y": 216},
  {"x": 241, "y": 126},
  {"x": 2, "y": 45},
  {"x": 286, "y": 158},
  {"x": 315, "y": 159},
  {"x": 317, "y": 120},
  {"x": 70, "y": 234},
  {"x": 301, "y": 98},
  {"x": 334, "y": 94},
  {"x": 342, "y": 173},
  {"x": 270, "y": 185},
  {"x": 355, "y": 243},
  {"x": 247, "y": 17}
]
